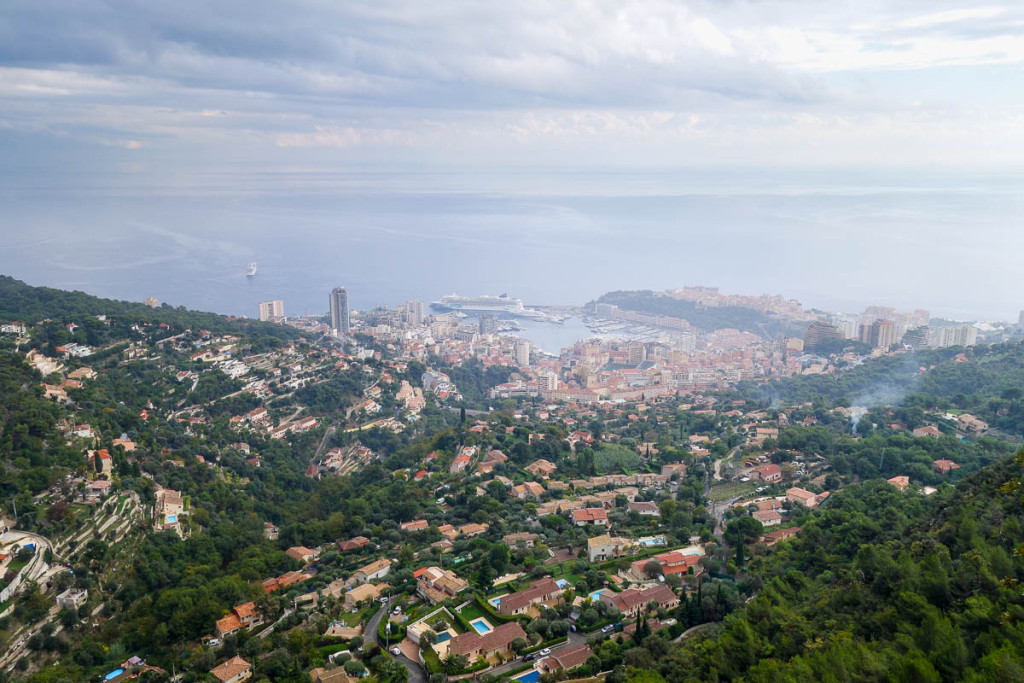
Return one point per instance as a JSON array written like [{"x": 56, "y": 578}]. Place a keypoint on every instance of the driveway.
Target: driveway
[{"x": 416, "y": 672}]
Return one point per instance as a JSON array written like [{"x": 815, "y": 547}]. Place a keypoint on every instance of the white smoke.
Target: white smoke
[{"x": 856, "y": 413}]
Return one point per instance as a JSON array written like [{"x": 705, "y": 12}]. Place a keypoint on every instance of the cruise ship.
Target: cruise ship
[
  {"x": 250, "y": 270},
  {"x": 485, "y": 304}
]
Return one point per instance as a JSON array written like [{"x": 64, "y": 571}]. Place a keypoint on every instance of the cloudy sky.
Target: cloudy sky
[
  {"x": 631, "y": 82},
  {"x": 842, "y": 152}
]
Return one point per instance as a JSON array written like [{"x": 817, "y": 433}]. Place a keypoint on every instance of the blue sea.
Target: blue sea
[{"x": 947, "y": 241}]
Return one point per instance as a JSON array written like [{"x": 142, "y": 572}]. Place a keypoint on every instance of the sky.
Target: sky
[
  {"x": 645, "y": 82},
  {"x": 135, "y": 93}
]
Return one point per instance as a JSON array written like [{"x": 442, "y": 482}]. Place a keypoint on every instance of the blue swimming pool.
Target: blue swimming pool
[
  {"x": 529, "y": 677},
  {"x": 596, "y": 595},
  {"x": 646, "y": 542},
  {"x": 441, "y": 637},
  {"x": 113, "y": 674},
  {"x": 481, "y": 626},
  {"x": 171, "y": 519}
]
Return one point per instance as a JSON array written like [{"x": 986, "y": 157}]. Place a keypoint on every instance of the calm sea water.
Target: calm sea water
[{"x": 947, "y": 242}]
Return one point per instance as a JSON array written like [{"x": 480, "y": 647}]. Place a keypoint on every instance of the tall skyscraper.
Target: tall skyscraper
[
  {"x": 882, "y": 334},
  {"x": 522, "y": 351},
  {"x": 339, "y": 310},
  {"x": 488, "y": 323},
  {"x": 271, "y": 309},
  {"x": 414, "y": 310}
]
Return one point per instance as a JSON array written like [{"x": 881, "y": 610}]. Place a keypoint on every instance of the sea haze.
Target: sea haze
[{"x": 838, "y": 240}]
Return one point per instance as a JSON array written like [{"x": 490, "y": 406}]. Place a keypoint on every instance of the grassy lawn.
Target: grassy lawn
[
  {"x": 353, "y": 619},
  {"x": 732, "y": 489},
  {"x": 472, "y": 611},
  {"x": 16, "y": 565}
]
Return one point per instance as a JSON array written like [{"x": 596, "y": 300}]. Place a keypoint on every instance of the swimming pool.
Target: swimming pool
[
  {"x": 596, "y": 595},
  {"x": 441, "y": 637},
  {"x": 529, "y": 677},
  {"x": 562, "y": 583},
  {"x": 646, "y": 542},
  {"x": 171, "y": 519},
  {"x": 113, "y": 674},
  {"x": 481, "y": 626}
]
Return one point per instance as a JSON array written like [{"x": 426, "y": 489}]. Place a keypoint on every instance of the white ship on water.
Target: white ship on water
[
  {"x": 250, "y": 270},
  {"x": 486, "y": 304}
]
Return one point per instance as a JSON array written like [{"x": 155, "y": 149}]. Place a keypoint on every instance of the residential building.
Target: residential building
[
  {"x": 547, "y": 381},
  {"x": 301, "y": 554},
  {"x": 819, "y": 333},
  {"x": 530, "y": 489},
  {"x": 72, "y": 598},
  {"x": 460, "y": 463},
  {"x": 243, "y": 616},
  {"x": 900, "y": 482},
  {"x": 881, "y": 334},
  {"x": 606, "y": 547},
  {"x": 567, "y": 658},
  {"x": 590, "y": 517},
  {"x": 768, "y": 517},
  {"x": 366, "y": 592},
  {"x": 496, "y": 641},
  {"x": 944, "y": 466},
  {"x": 631, "y": 602},
  {"x": 542, "y": 468},
  {"x": 770, "y": 473},
  {"x": 523, "y": 539},
  {"x": 339, "y": 311},
  {"x": 773, "y": 537},
  {"x": 488, "y": 323},
  {"x": 373, "y": 571},
  {"x": 542, "y": 590},
  {"x": 271, "y": 310},
  {"x": 672, "y": 562},
  {"x": 338, "y": 675},
  {"x": 353, "y": 544},
  {"x": 802, "y": 496},
  {"x": 958, "y": 335},
  {"x": 522, "y": 353},
  {"x": 644, "y": 508},
  {"x": 414, "y": 311},
  {"x": 235, "y": 670},
  {"x": 414, "y": 525},
  {"x": 437, "y": 585},
  {"x": 970, "y": 423}
]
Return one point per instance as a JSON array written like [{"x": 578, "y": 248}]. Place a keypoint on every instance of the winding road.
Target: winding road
[{"x": 416, "y": 672}]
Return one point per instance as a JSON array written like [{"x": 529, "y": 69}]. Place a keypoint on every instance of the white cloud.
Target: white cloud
[{"x": 625, "y": 80}]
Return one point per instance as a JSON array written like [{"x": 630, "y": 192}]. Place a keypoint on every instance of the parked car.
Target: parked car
[
  {"x": 529, "y": 658},
  {"x": 545, "y": 652},
  {"x": 608, "y": 629},
  {"x": 397, "y": 610},
  {"x": 396, "y": 651}
]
